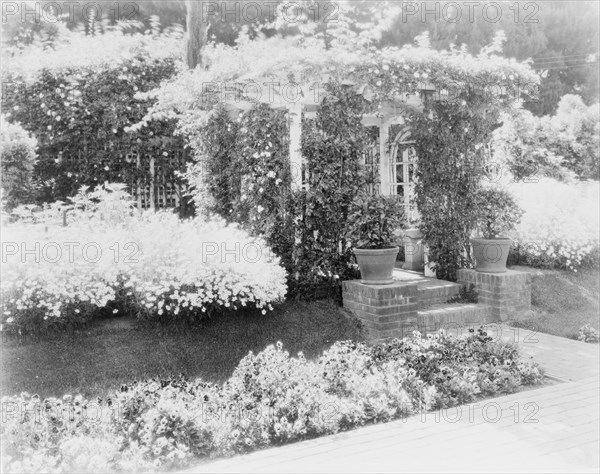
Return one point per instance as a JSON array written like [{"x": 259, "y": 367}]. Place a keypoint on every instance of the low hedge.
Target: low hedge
[{"x": 271, "y": 399}]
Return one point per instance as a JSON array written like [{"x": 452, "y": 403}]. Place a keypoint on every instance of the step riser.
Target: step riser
[
  {"x": 431, "y": 296},
  {"x": 453, "y": 319}
]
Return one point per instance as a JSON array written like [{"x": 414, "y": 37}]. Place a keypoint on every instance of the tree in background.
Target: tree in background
[
  {"x": 563, "y": 146},
  {"x": 195, "y": 33},
  {"x": 574, "y": 131},
  {"x": 561, "y": 37},
  {"x": 355, "y": 22}
]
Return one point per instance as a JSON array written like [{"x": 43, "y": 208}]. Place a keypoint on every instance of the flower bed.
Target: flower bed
[
  {"x": 559, "y": 228},
  {"x": 270, "y": 399},
  {"x": 154, "y": 266}
]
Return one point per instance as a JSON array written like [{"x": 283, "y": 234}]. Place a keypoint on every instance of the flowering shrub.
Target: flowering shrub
[
  {"x": 40, "y": 291},
  {"x": 200, "y": 267},
  {"x": 588, "y": 334},
  {"x": 109, "y": 261},
  {"x": 271, "y": 398},
  {"x": 559, "y": 227}
]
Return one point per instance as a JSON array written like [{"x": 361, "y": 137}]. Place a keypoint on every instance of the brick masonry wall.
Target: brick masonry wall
[
  {"x": 387, "y": 311},
  {"x": 508, "y": 294}
]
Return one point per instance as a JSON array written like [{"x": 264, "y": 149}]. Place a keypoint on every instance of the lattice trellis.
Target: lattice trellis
[
  {"x": 158, "y": 189},
  {"x": 149, "y": 176}
]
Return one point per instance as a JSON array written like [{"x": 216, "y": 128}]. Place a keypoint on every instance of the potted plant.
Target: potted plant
[
  {"x": 497, "y": 213},
  {"x": 373, "y": 220}
]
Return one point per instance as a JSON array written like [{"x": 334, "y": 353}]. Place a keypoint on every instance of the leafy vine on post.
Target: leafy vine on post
[
  {"x": 448, "y": 142},
  {"x": 333, "y": 144}
]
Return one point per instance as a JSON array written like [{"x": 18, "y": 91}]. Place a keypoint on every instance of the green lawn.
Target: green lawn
[
  {"x": 97, "y": 360},
  {"x": 563, "y": 301}
]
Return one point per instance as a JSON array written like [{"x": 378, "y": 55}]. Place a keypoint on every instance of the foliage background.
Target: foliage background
[
  {"x": 79, "y": 100},
  {"x": 564, "y": 146},
  {"x": 18, "y": 158}
]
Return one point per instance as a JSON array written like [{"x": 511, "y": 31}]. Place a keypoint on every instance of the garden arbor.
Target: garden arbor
[{"x": 427, "y": 117}]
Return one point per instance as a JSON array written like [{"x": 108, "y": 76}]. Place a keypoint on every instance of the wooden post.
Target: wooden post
[
  {"x": 295, "y": 121},
  {"x": 139, "y": 187},
  {"x": 152, "y": 183},
  {"x": 174, "y": 190},
  {"x": 384, "y": 158}
]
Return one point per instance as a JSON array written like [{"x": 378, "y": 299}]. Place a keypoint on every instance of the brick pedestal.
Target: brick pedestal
[
  {"x": 508, "y": 294},
  {"x": 387, "y": 311}
]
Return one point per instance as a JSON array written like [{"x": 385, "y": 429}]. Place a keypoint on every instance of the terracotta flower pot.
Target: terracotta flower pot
[
  {"x": 491, "y": 254},
  {"x": 376, "y": 265}
]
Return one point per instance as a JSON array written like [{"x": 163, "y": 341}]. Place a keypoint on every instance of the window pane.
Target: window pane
[
  {"x": 400, "y": 191},
  {"x": 399, "y": 173},
  {"x": 397, "y": 153}
]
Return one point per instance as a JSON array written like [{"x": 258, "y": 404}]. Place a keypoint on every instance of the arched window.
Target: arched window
[{"x": 403, "y": 161}]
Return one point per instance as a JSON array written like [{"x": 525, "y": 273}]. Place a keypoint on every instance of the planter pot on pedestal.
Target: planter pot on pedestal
[
  {"x": 376, "y": 265},
  {"x": 491, "y": 254}
]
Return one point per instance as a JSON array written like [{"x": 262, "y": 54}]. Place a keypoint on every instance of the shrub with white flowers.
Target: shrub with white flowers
[
  {"x": 109, "y": 260},
  {"x": 588, "y": 334},
  {"x": 194, "y": 267}
]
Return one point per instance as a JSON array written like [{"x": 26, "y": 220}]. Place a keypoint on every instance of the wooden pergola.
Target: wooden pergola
[{"x": 391, "y": 113}]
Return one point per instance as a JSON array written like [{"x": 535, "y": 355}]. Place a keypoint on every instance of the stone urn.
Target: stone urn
[
  {"x": 413, "y": 250},
  {"x": 491, "y": 254},
  {"x": 376, "y": 265},
  {"x": 429, "y": 266}
]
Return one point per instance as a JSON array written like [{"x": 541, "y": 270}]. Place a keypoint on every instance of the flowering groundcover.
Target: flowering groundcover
[{"x": 270, "y": 399}]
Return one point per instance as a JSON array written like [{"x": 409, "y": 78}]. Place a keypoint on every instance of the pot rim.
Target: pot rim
[
  {"x": 495, "y": 239},
  {"x": 377, "y": 251}
]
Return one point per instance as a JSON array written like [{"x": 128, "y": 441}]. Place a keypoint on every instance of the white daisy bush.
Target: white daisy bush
[
  {"x": 153, "y": 265},
  {"x": 559, "y": 227},
  {"x": 202, "y": 266},
  {"x": 39, "y": 292}
]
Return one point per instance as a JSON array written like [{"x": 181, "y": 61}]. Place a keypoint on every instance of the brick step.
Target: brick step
[
  {"x": 451, "y": 316},
  {"x": 433, "y": 292}
]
